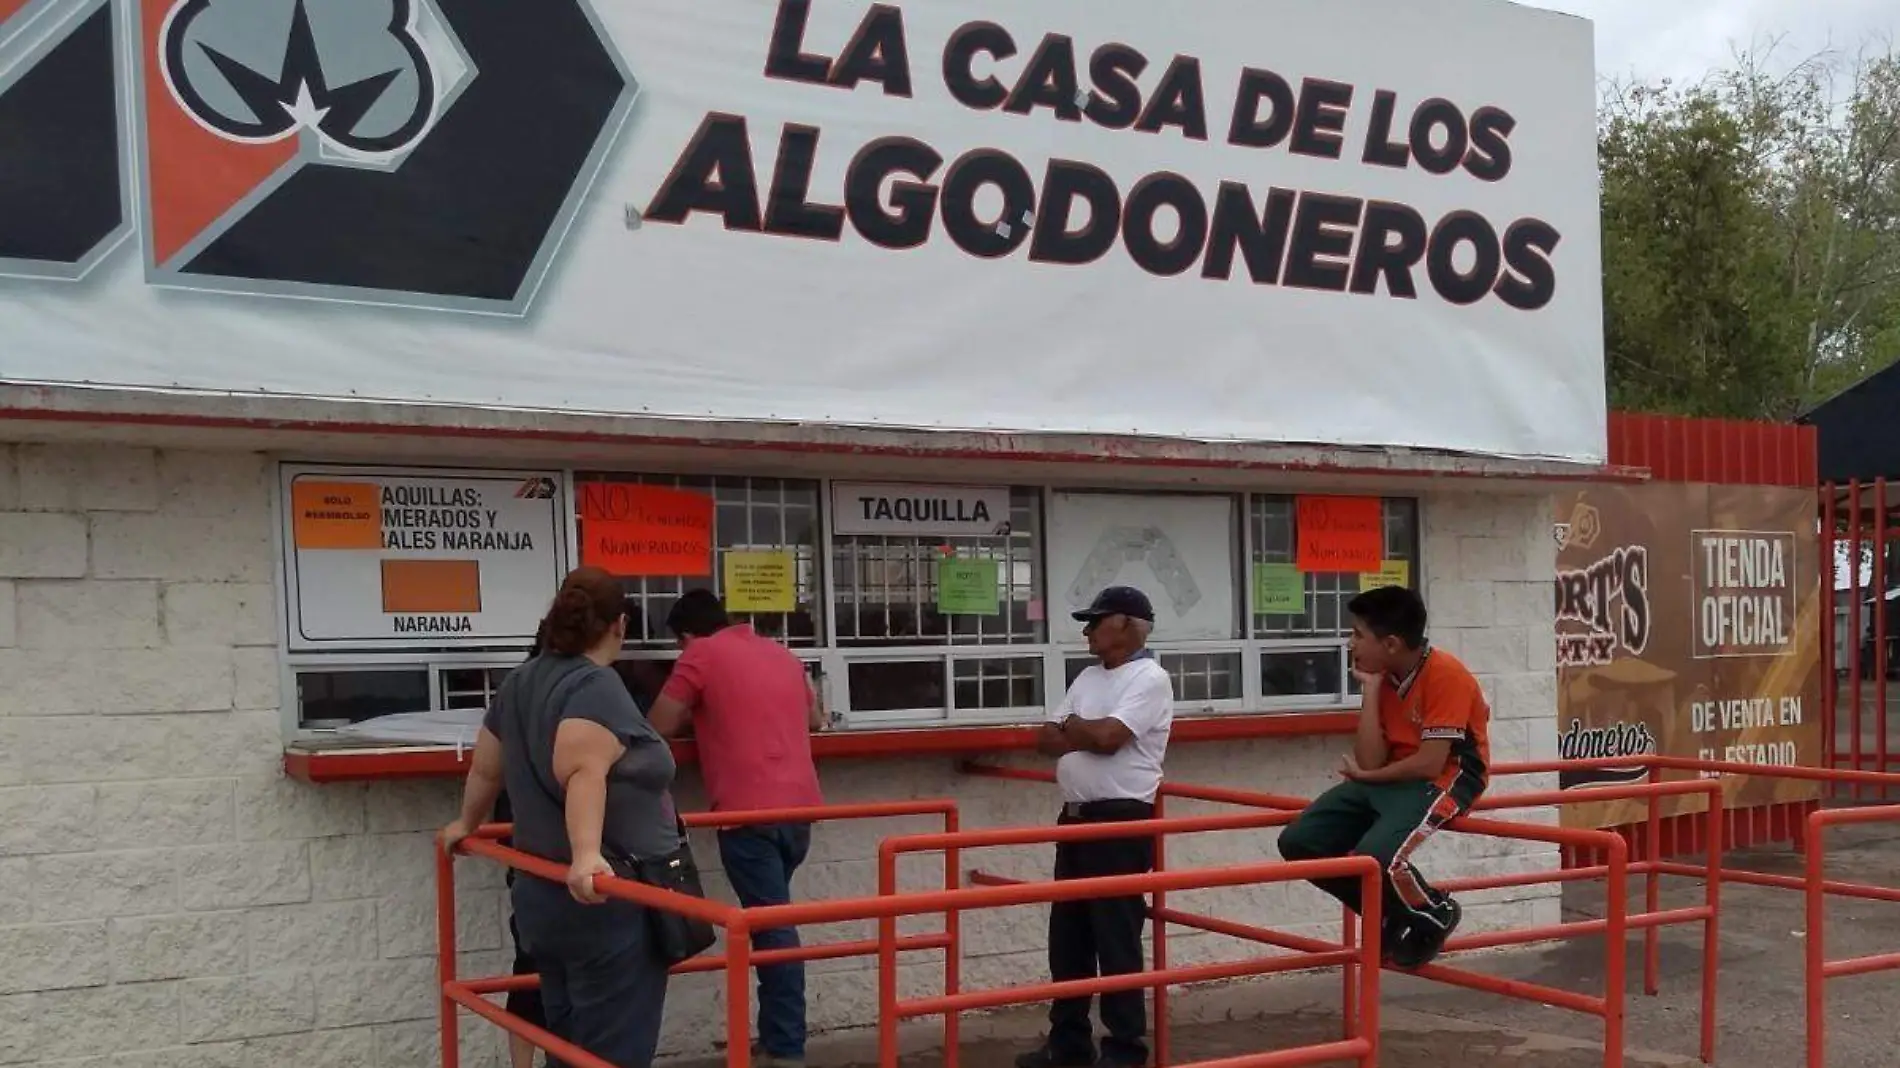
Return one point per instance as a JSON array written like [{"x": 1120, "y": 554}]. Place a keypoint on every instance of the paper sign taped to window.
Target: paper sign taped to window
[
  {"x": 1390, "y": 573},
  {"x": 1278, "y": 590},
  {"x": 1340, "y": 534},
  {"x": 633, "y": 530},
  {"x": 759, "y": 582},
  {"x": 968, "y": 587}
]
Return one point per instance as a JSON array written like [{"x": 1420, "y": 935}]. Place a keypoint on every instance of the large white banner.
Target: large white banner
[{"x": 1253, "y": 220}]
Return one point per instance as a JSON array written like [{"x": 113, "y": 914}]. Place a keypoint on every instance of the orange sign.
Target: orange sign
[
  {"x": 419, "y": 586},
  {"x": 335, "y": 515},
  {"x": 633, "y": 530},
  {"x": 1340, "y": 534}
]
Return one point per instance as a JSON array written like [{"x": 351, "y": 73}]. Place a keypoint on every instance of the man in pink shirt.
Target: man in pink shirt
[{"x": 752, "y": 709}]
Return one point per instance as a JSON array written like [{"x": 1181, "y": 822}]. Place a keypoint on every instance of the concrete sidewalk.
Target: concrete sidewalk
[{"x": 1761, "y": 1016}]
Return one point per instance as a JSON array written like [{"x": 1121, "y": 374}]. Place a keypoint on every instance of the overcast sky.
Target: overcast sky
[{"x": 1683, "y": 38}]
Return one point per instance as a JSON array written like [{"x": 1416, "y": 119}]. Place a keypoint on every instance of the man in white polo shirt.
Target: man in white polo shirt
[{"x": 1111, "y": 733}]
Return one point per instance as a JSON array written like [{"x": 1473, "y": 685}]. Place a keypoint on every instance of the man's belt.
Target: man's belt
[{"x": 1111, "y": 808}]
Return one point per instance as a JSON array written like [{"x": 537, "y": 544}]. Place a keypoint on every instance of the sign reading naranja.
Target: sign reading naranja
[
  {"x": 395, "y": 558},
  {"x": 968, "y": 215},
  {"x": 1688, "y": 625}
]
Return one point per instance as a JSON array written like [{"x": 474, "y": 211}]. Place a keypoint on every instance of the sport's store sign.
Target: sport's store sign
[
  {"x": 1253, "y": 223},
  {"x": 1687, "y": 625}
]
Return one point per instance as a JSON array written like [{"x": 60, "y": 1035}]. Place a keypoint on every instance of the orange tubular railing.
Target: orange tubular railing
[
  {"x": 1362, "y": 1047},
  {"x": 470, "y": 993},
  {"x": 1608, "y": 1006},
  {"x": 1358, "y": 957}
]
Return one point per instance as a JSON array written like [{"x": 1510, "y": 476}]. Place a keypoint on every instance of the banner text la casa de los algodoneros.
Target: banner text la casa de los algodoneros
[
  {"x": 1259, "y": 223},
  {"x": 1164, "y": 222}
]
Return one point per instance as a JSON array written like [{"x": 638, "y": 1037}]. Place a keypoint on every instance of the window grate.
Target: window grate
[
  {"x": 749, "y": 514},
  {"x": 1272, "y": 518},
  {"x": 886, "y": 586}
]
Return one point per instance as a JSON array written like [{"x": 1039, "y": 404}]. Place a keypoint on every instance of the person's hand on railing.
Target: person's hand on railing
[
  {"x": 580, "y": 878},
  {"x": 452, "y": 835}
]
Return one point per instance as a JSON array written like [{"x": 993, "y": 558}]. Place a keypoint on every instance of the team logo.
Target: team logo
[
  {"x": 1585, "y": 525},
  {"x": 420, "y": 153},
  {"x": 360, "y": 76}
]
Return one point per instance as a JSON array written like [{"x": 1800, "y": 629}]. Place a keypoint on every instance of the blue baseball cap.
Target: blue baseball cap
[{"x": 1117, "y": 601}]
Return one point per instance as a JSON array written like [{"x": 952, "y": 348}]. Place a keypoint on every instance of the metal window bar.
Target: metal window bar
[
  {"x": 1272, "y": 524},
  {"x": 886, "y": 586},
  {"x": 765, "y": 514}
]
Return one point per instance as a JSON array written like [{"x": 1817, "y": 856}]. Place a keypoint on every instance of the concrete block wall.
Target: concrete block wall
[{"x": 168, "y": 898}]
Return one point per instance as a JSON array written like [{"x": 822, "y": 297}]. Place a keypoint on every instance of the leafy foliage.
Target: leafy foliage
[{"x": 1751, "y": 229}]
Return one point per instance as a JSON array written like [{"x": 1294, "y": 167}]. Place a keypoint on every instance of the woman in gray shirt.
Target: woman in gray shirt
[{"x": 590, "y": 783}]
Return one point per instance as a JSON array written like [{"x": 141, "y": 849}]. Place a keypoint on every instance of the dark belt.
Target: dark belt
[{"x": 1119, "y": 808}]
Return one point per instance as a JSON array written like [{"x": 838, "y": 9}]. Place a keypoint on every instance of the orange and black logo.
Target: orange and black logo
[{"x": 424, "y": 153}]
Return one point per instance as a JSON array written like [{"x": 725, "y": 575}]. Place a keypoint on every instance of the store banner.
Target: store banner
[
  {"x": 1688, "y": 624},
  {"x": 1088, "y": 216}
]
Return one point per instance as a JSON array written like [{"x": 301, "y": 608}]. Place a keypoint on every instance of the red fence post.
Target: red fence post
[
  {"x": 953, "y": 953},
  {"x": 1880, "y": 628},
  {"x": 445, "y": 955},
  {"x": 1616, "y": 954},
  {"x": 1830, "y": 680},
  {"x": 1652, "y": 888},
  {"x": 1853, "y": 620},
  {"x": 739, "y": 993},
  {"x": 1816, "y": 946}
]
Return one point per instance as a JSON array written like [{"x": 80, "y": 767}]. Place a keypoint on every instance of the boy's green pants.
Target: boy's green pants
[{"x": 1386, "y": 821}]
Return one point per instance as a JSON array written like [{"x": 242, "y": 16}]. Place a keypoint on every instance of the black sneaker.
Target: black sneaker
[
  {"x": 1044, "y": 1057},
  {"x": 1391, "y": 933},
  {"x": 1427, "y": 940}
]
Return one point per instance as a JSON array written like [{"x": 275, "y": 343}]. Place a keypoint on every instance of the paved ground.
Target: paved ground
[{"x": 1761, "y": 1015}]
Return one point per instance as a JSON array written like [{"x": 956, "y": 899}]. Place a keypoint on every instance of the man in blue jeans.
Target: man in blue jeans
[{"x": 752, "y": 709}]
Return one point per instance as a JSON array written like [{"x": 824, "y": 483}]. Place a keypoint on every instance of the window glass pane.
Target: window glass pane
[
  {"x": 897, "y": 685},
  {"x": 1300, "y": 672},
  {"x": 339, "y": 698},
  {"x": 1197, "y": 676},
  {"x": 471, "y": 687},
  {"x": 1272, "y": 522},
  {"x": 1204, "y": 676},
  {"x": 749, "y": 515},
  {"x": 1013, "y": 682},
  {"x": 887, "y": 585}
]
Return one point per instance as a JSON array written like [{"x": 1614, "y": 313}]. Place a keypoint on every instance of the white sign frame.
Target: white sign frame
[
  {"x": 1185, "y": 563},
  {"x": 297, "y": 643},
  {"x": 846, "y": 520}
]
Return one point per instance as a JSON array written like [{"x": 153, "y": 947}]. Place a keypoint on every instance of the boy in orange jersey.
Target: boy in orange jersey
[{"x": 1418, "y": 762}]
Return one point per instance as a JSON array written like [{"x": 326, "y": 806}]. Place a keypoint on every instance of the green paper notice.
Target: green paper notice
[
  {"x": 1279, "y": 590},
  {"x": 967, "y": 587}
]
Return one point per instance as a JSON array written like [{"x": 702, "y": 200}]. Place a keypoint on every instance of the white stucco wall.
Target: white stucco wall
[{"x": 166, "y": 893}]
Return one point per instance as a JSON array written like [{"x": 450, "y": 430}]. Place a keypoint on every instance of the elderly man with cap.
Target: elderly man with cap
[{"x": 1110, "y": 733}]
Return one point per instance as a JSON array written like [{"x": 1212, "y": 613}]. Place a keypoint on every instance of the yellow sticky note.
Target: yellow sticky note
[
  {"x": 1390, "y": 573},
  {"x": 760, "y": 582}
]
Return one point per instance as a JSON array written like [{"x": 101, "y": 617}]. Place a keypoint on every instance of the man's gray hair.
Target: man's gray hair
[{"x": 1143, "y": 628}]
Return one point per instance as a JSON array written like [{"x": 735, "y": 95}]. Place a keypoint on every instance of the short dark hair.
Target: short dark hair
[
  {"x": 1391, "y": 612},
  {"x": 697, "y": 614}
]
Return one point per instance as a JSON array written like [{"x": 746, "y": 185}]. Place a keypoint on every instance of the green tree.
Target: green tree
[
  {"x": 1752, "y": 235},
  {"x": 1698, "y": 318}
]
